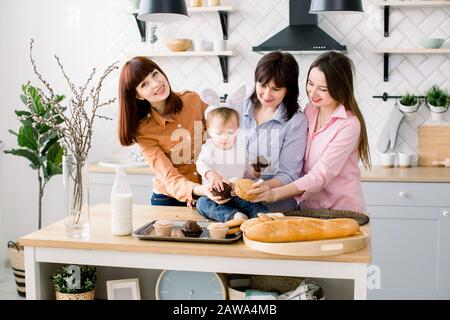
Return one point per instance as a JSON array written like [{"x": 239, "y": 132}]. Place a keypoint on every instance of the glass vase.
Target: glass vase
[{"x": 75, "y": 183}]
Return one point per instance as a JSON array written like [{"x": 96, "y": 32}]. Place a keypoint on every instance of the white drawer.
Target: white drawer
[{"x": 406, "y": 194}]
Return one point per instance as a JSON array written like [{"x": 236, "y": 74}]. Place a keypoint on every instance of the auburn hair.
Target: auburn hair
[
  {"x": 133, "y": 110},
  {"x": 338, "y": 70}
]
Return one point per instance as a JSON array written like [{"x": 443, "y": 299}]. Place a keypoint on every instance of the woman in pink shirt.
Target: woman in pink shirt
[{"x": 337, "y": 140}]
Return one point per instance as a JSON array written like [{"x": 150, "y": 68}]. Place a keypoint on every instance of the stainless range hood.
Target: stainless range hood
[{"x": 302, "y": 35}]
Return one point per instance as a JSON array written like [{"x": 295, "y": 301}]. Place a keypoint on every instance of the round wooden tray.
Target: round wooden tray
[{"x": 316, "y": 248}]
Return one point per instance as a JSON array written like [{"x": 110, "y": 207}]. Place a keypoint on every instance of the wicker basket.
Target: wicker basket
[
  {"x": 16, "y": 259},
  {"x": 361, "y": 218},
  {"x": 90, "y": 295}
]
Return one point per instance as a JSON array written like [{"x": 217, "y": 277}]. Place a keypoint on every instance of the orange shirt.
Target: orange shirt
[{"x": 171, "y": 146}]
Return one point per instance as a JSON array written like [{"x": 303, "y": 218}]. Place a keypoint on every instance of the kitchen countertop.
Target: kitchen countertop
[
  {"x": 414, "y": 174},
  {"x": 376, "y": 174},
  {"x": 53, "y": 236}
]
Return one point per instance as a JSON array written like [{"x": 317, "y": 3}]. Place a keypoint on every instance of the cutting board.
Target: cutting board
[
  {"x": 434, "y": 144},
  {"x": 315, "y": 248}
]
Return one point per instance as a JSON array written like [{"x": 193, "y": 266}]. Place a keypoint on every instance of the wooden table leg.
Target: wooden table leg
[
  {"x": 360, "y": 285},
  {"x": 32, "y": 275}
]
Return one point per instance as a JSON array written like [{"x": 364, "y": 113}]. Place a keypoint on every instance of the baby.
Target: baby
[{"x": 222, "y": 159}]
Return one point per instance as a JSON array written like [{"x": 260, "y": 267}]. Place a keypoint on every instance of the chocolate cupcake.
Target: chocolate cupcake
[
  {"x": 225, "y": 194},
  {"x": 260, "y": 164},
  {"x": 191, "y": 229}
]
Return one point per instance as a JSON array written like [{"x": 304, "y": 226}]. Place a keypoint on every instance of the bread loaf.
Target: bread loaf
[
  {"x": 242, "y": 187},
  {"x": 307, "y": 229},
  {"x": 249, "y": 223}
]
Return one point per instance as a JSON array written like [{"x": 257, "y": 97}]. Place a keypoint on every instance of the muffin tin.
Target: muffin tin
[{"x": 147, "y": 232}]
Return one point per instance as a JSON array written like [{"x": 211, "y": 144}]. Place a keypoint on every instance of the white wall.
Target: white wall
[
  {"x": 87, "y": 33},
  {"x": 76, "y": 31}
]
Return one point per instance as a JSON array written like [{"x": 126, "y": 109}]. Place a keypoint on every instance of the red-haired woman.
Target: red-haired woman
[{"x": 168, "y": 127}]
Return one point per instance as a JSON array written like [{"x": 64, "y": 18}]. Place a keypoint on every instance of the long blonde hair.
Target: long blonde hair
[{"x": 338, "y": 70}]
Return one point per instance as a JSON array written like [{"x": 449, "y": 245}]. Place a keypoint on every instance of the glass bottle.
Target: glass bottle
[{"x": 121, "y": 204}]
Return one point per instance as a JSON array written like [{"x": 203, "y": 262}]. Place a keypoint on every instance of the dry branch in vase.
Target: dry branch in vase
[{"x": 76, "y": 128}]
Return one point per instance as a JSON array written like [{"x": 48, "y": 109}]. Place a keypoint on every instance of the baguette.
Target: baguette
[
  {"x": 249, "y": 223},
  {"x": 290, "y": 230},
  {"x": 264, "y": 217}
]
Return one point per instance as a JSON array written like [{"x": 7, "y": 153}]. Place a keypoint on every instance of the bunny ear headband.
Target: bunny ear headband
[{"x": 233, "y": 101}]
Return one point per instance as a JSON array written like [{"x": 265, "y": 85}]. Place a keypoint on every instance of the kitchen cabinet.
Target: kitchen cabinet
[
  {"x": 410, "y": 239},
  {"x": 101, "y": 180}
]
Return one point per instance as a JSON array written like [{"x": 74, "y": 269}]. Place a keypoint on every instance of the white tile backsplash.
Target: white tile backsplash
[{"x": 254, "y": 21}]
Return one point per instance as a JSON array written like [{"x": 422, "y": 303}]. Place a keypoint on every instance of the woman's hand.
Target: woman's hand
[
  {"x": 274, "y": 194},
  {"x": 263, "y": 192}
]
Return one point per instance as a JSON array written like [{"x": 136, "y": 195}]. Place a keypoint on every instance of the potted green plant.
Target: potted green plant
[
  {"x": 72, "y": 282},
  {"x": 438, "y": 101},
  {"x": 409, "y": 103},
  {"x": 40, "y": 145}
]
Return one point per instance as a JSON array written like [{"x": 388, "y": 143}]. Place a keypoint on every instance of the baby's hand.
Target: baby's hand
[
  {"x": 191, "y": 204},
  {"x": 215, "y": 180}
]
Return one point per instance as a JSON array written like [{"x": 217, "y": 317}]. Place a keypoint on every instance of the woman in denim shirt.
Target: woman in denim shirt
[{"x": 275, "y": 128}]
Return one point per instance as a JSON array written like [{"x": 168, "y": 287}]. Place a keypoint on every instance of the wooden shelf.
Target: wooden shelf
[
  {"x": 222, "y": 55},
  {"x": 199, "y": 9},
  {"x": 413, "y": 50},
  {"x": 223, "y": 12},
  {"x": 188, "y": 53},
  {"x": 413, "y": 3},
  {"x": 209, "y": 9},
  {"x": 387, "y": 51}
]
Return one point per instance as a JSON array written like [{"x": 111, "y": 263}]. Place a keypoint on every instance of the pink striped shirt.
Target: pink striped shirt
[{"x": 332, "y": 176}]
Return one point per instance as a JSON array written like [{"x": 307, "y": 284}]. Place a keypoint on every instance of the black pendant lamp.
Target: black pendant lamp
[
  {"x": 336, "y": 6},
  {"x": 162, "y": 10}
]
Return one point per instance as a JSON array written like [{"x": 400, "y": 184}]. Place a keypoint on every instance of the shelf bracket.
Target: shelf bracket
[
  {"x": 223, "y": 15},
  {"x": 141, "y": 26},
  {"x": 386, "y": 21},
  {"x": 224, "y": 66},
  {"x": 386, "y": 67}
]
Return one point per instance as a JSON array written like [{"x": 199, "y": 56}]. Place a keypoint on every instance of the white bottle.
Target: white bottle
[{"x": 121, "y": 204}]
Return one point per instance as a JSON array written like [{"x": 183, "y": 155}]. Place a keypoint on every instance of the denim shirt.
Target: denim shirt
[{"x": 282, "y": 142}]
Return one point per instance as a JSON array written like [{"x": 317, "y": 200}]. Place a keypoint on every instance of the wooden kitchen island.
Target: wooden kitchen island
[{"x": 50, "y": 245}]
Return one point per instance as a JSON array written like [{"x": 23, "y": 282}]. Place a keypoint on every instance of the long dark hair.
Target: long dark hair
[
  {"x": 282, "y": 68},
  {"x": 338, "y": 70},
  {"x": 133, "y": 110}
]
